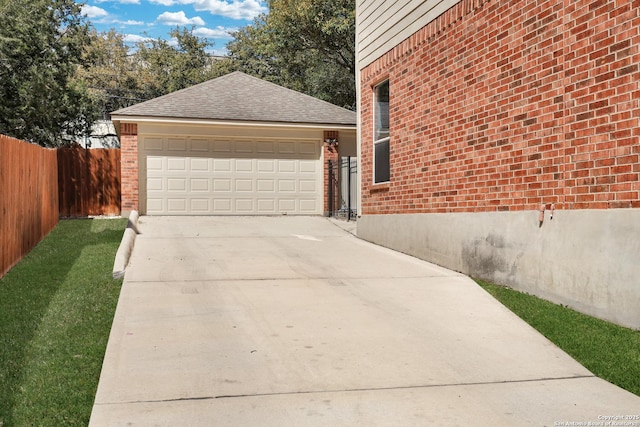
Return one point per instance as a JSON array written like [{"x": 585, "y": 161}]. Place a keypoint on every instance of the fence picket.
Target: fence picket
[
  {"x": 28, "y": 198},
  {"x": 39, "y": 185}
]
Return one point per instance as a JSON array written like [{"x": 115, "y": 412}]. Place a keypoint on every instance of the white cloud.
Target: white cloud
[
  {"x": 119, "y": 1},
  {"x": 127, "y": 22},
  {"x": 236, "y": 9},
  {"x": 178, "y": 18},
  {"x": 134, "y": 38},
  {"x": 93, "y": 11},
  {"x": 216, "y": 33}
]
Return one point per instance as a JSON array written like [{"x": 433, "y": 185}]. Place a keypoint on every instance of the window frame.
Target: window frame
[{"x": 377, "y": 130}]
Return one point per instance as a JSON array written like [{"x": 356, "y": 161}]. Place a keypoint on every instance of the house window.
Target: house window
[{"x": 381, "y": 133}]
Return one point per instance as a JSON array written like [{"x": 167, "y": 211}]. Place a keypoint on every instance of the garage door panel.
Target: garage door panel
[
  {"x": 222, "y": 146},
  {"x": 200, "y": 185},
  {"x": 200, "y": 165},
  {"x": 307, "y": 186},
  {"x": 155, "y": 163},
  {"x": 244, "y": 185},
  {"x": 286, "y": 147},
  {"x": 287, "y": 205},
  {"x": 155, "y": 205},
  {"x": 221, "y": 165},
  {"x": 205, "y": 176},
  {"x": 200, "y": 206},
  {"x": 200, "y": 145},
  {"x": 308, "y": 148},
  {"x": 155, "y": 184},
  {"x": 308, "y": 166},
  {"x": 176, "y": 164},
  {"x": 243, "y": 147},
  {"x": 222, "y": 205},
  {"x": 177, "y": 205},
  {"x": 266, "y": 185},
  {"x": 265, "y": 147},
  {"x": 244, "y": 165},
  {"x": 177, "y": 144},
  {"x": 286, "y": 186},
  {"x": 153, "y": 144},
  {"x": 266, "y": 206},
  {"x": 308, "y": 206},
  {"x": 222, "y": 185},
  {"x": 287, "y": 166},
  {"x": 244, "y": 205},
  {"x": 266, "y": 166},
  {"x": 177, "y": 184}
]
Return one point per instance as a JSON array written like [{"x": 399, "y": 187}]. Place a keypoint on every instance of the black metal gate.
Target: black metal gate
[{"x": 342, "y": 188}]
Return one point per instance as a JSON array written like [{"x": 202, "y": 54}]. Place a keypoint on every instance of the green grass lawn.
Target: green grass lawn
[
  {"x": 609, "y": 351},
  {"x": 56, "y": 309}
]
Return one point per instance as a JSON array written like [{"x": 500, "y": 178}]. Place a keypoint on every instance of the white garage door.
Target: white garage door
[{"x": 198, "y": 176}]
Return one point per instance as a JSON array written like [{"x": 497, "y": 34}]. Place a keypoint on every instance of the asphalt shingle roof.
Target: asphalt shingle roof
[{"x": 240, "y": 97}]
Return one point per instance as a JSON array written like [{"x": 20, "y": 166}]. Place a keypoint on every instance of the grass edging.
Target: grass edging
[
  {"x": 56, "y": 310},
  {"x": 609, "y": 351}
]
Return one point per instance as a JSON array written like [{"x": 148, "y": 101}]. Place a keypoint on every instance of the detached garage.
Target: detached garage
[{"x": 235, "y": 145}]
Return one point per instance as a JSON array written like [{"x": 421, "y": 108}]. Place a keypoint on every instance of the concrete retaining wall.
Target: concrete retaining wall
[{"x": 586, "y": 259}]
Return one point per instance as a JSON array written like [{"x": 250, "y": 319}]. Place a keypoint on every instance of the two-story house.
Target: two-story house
[{"x": 501, "y": 139}]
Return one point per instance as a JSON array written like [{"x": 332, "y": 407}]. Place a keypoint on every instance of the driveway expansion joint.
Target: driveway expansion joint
[
  {"x": 288, "y": 279},
  {"x": 355, "y": 390}
]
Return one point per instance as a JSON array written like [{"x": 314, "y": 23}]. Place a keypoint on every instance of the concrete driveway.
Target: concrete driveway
[{"x": 291, "y": 321}]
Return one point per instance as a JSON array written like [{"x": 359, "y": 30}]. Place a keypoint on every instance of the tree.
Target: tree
[
  {"x": 326, "y": 28},
  {"x": 41, "y": 45},
  {"x": 118, "y": 76},
  {"x": 163, "y": 68},
  {"x": 304, "y": 45},
  {"x": 109, "y": 72},
  {"x": 252, "y": 51}
]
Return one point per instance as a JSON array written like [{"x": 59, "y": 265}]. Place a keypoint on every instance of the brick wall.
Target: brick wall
[
  {"x": 331, "y": 197},
  {"x": 331, "y": 153},
  {"x": 506, "y": 105},
  {"x": 129, "y": 166}
]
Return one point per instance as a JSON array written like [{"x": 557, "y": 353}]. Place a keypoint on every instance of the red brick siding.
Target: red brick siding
[
  {"x": 330, "y": 153},
  {"x": 504, "y": 105},
  {"x": 129, "y": 165}
]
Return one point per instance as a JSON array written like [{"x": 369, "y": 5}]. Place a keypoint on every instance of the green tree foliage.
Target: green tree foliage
[
  {"x": 109, "y": 72},
  {"x": 305, "y": 45},
  {"x": 163, "y": 67},
  {"x": 119, "y": 76},
  {"x": 41, "y": 45},
  {"x": 324, "y": 27}
]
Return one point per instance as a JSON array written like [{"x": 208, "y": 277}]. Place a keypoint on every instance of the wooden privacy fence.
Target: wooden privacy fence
[
  {"x": 39, "y": 185},
  {"x": 28, "y": 198},
  {"x": 89, "y": 182}
]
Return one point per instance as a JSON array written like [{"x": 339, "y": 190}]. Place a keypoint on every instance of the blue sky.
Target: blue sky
[{"x": 137, "y": 19}]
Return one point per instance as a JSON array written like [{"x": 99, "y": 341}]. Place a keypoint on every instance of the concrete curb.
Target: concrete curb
[
  {"x": 126, "y": 246},
  {"x": 133, "y": 221}
]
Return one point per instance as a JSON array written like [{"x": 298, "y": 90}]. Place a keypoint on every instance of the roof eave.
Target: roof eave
[{"x": 194, "y": 121}]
